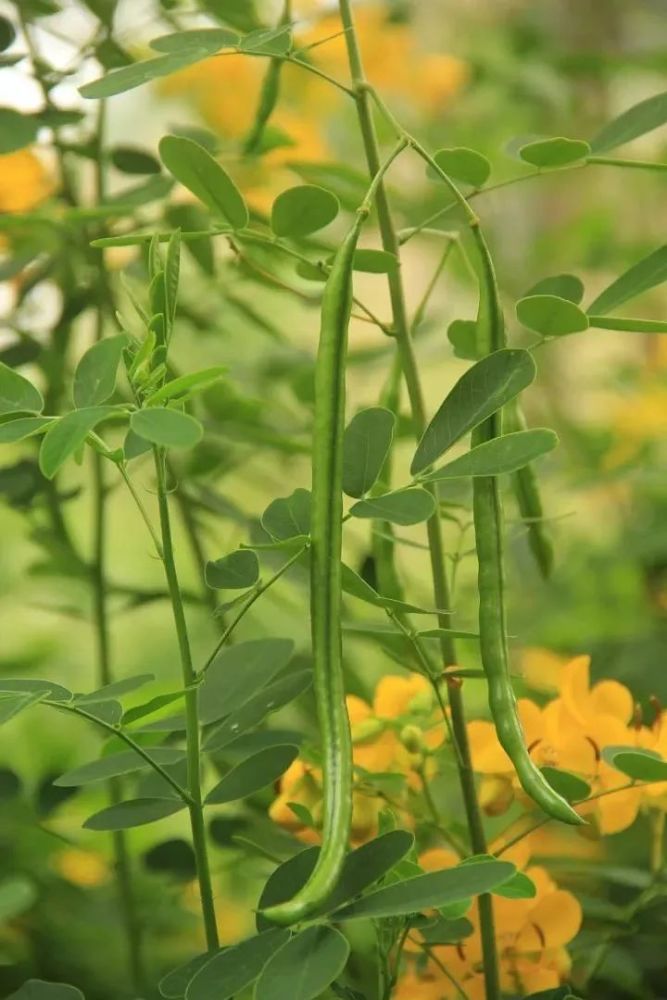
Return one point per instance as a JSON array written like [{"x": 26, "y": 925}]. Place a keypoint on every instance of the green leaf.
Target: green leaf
[
  {"x": 302, "y": 210},
  {"x": 7, "y": 33},
  {"x": 134, "y": 812},
  {"x": 519, "y": 886},
  {"x": 67, "y": 434},
  {"x": 95, "y": 374},
  {"x": 570, "y": 786},
  {"x": 494, "y": 458},
  {"x": 366, "y": 444},
  {"x": 645, "y": 274},
  {"x": 39, "y": 989},
  {"x": 174, "y": 984},
  {"x": 114, "y": 690},
  {"x": 288, "y": 517},
  {"x": 12, "y": 704},
  {"x": 624, "y": 324},
  {"x": 273, "y": 697},
  {"x": 548, "y": 154},
  {"x": 231, "y": 970},
  {"x": 466, "y": 165},
  {"x": 637, "y": 120},
  {"x": 304, "y": 966},
  {"x": 16, "y": 130},
  {"x": 248, "y": 777},
  {"x": 149, "y": 707},
  {"x": 462, "y": 335},
  {"x": 444, "y": 931},
  {"x": 236, "y": 571},
  {"x": 564, "y": 286},
  {"x": 357, "y": 587},
  {"x": 403, "y": 507},
  {"x": 130, "y": 160},
  {"x": 361, "y": 869},
  {"x": 209, "y": 40},
  {"x": 26, "y": 685},
  {"x": 116, "y": 764},
  {"x": 369, "y": 261},
  {"x": 128, "y": 77},
  {"x": 485, "y": 388},
  {"x": 21, "y": 428},
  {"x": 201, "y": 174},
  {"x": 17, "y": 394},
  {"x": 17, "y": 895},
  {"x": 436, "y": 889},
  {"x": 185, "y": 385},
  {"x": 551, "y": 316},
  {"x": 640, "y": 765},
  {"x": 269, "y": 41},
  {"x": 167, "y": 428},
  {"x": 237, "y": 674}
]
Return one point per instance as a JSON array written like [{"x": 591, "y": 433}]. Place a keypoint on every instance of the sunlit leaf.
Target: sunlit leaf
[
  {"x": 21, "y": 428},
  {"x": 304, "y": 966},
  {"x": 483, "y": 389},
  {"x": 185, "y": 385},
  {"x": 12, "y": 704},
  {"x": 501, "y": 455},
  {"x": 17, "y": 394},
  {"x": 236, "y": 571},
  {"x": 253, "y": 774},
  {"x": 302, "y": 210},
  {"x": 95, "y": 374},
  {"x": 369, "y": 261},
  {"x": 201, "y": 174},
  {"x": 167, "y": 428},
  {"x": 116, "y": 764},
  {"x": 403, "y": 507},
  {"x": 367, "y": 441},
  {"x": 230, "y": 971},
  {"x": 550, "y": 315}
]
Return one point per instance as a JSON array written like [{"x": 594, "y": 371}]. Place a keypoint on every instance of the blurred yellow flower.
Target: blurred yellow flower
[
  {"x": 25, "y": 181},
  {"x": 82, "y": 868}
]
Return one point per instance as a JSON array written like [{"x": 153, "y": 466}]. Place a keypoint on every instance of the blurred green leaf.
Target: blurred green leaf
[
  {"x": 465, "y": 165},
  {"x": 268, "y": 41},
  {"x": 16, "y": 130},
  {"x": 195, "y": 168},
  {"x": 462, "y": 335},
  {"x": 481, "y": 391},
  {"x": 17, "y": 894},
  {"x": 624, "y": 324},
  {"x": 128, "y": 77},
  {"x": 370, "y": 261},
  {"x": 304, "y": 966},
  {"x": 551, "y": 316},
  {"x": 570, "y": 786},
  {"x": 303, "y": 210},
  {"x": 208, "y": 40},
  {"x": 248, "y": 777},
  {"x": 38, "y": 989},
  {"x": 131, "y": 160},
  {"x": 645, "y": 274},
  {"x": 556, "y": 152},
  {"x": 637, "y": 120},
  {"x": 640, "y": 765},
  {"x": 565, "y": 286}
]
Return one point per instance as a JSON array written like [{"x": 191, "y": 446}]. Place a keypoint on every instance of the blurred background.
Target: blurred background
[{"x": 460, "y": 73}]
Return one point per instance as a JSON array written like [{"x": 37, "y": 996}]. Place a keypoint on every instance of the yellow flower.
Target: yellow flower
[
  {"x": 25, "y": 181},
  {"x": 82, "y": 868}
]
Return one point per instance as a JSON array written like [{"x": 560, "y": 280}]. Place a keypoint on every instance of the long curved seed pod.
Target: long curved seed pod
[
  {"x": 325, "y": 586},
  {"x": 488, "y": 518}
]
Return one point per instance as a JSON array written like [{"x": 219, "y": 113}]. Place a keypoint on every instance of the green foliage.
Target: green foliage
[
  {"x": 405, "y": 507},
  {"x": 549, "y": 154},
  {"x": 551, "y": 316},
  {"x": 201, "y": 174},
  {"x": 303, "y": 210},
  {"x": 305, "y": 965},
  {"x": 248, "y": 777},
  {"x": 366, "y": 445}
]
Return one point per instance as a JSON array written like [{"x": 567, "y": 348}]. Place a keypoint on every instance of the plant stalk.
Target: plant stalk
[
  {"x": 401, "y": 330},
  {"x": 191, "y": 711}
]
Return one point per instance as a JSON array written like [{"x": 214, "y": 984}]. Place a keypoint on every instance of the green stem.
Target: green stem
[
  {"x": 191, "y": 710},
  {"x": 401, "y": 327}
]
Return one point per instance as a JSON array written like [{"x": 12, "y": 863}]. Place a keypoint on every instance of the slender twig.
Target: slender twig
[
  {"x": 362, "y": 93},
  {"x": 257, "y": 593},
  {"x": 191, "y": 709}
]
